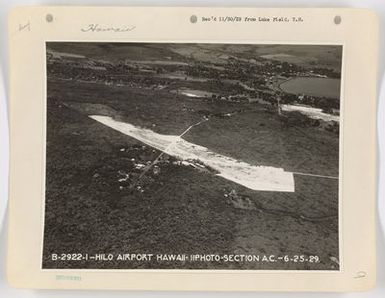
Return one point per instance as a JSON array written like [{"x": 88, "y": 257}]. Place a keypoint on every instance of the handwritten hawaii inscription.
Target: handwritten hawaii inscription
[{"x": 104, "y": 28}]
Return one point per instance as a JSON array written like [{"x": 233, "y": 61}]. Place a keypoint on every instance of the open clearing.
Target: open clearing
[{"x": 255, "y": 178}]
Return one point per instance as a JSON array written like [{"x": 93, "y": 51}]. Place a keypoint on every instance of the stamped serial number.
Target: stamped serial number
[{"x": 69, "y": 257}]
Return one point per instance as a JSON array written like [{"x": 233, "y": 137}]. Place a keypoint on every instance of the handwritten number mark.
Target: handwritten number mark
[{"x": 25, "y": 27}]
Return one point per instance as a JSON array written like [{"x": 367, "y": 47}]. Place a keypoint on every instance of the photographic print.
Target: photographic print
[{"x": 192, "y": 156}]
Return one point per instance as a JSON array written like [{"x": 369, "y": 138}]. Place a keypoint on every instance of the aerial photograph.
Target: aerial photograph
[{"x": 192, "y": 156}]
